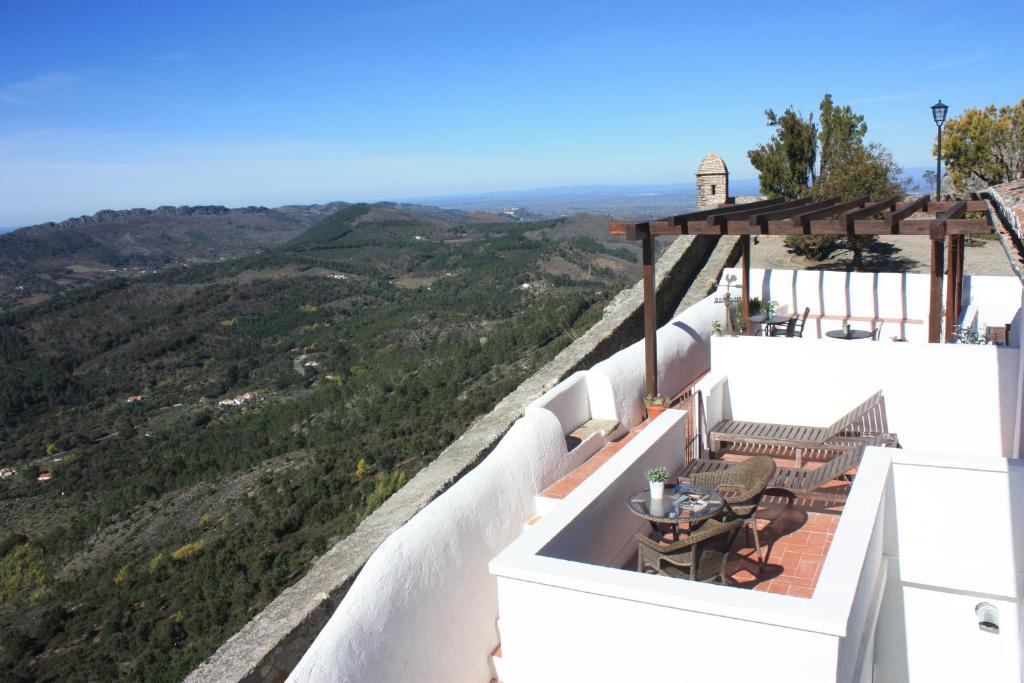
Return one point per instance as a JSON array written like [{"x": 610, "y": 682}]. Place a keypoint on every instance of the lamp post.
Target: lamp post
[{"x": 939, "y": 114}]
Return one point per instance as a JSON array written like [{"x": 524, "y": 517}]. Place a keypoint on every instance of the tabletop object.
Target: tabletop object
[
  {"x": 849, "y": 334},
  {"x": 681, "y": 504}
]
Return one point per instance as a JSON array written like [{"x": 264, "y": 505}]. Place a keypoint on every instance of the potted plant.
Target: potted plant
[
  {"x": 769, "y": 307},
  {"x": 716, "y": 328},
  {"x": 655, "y": 405},
  {"x": 656, "y": 477}
]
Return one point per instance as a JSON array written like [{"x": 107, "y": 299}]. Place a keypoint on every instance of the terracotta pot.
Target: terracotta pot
[{"x": 655, "y": 411}]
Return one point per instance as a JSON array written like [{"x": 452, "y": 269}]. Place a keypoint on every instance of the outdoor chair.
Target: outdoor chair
[
  {"x": 743, "y": 486},
  {"x": 787, "y": 331},
  {"x": 798, "y": 331},
  {"x": 701, "y": 556},
  {"x": 766, "y": 438}
]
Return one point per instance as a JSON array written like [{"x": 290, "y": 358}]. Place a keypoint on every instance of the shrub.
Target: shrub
[{"x": 814, "y": 247}]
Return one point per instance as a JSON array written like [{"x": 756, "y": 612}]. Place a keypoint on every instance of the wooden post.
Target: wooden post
[
  {"x": 935, "y": 299},
  {"x": 951, "y": 269},
  {"x": 745, "y": 247},
  {"x": 961, "y": 242},
  {"x": 650, "y": 316}
]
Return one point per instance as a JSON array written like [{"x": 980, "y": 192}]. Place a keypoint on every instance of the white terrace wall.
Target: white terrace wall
[
  {"x": 948, "y": 398},
  {"x": 569, "y": 613},
  {"x": 424, "y": 606},
  {"x": 897, "y": 302},
  {"x": 617, "y": 384},
  {"x": 956, "y": 540}
]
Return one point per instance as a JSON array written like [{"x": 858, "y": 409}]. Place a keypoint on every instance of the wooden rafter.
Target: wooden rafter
[
  {"x": 823, "y": 217},
  {"x": 830, "y": 216}
]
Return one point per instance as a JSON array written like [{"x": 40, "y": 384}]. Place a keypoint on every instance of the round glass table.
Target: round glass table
[
  {"x": 849, "y": 334},
  {"x": 681, "y": 504}
]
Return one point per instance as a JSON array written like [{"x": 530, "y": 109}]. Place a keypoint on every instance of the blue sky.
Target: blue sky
[{"x": 126, "y": 104}]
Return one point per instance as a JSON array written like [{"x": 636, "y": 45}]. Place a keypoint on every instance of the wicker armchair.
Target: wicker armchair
[
  {"x": 701, "y": 556},
  {"x": 744, "y": 484}
]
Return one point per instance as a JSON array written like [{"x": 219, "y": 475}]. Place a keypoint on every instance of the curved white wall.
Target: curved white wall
[
  {"x": 684, "y": 354},
  {"x": 424, "y": 606}
]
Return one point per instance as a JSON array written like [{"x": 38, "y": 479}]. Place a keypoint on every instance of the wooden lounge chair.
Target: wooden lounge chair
[
  {"x": 804, "y": 482},
  {"x": 770, "y": 438}
]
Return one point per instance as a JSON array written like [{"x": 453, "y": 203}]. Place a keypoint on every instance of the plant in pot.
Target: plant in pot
[
  {"x": 716, "y": 328},
  {"x": 655, "y": 404},
  {"x": 656, "y": 477}
]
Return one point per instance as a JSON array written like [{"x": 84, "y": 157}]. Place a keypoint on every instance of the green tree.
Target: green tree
[
  {"x": 847, "y": 168},
  {"x": 984, "y": 147},
  {"x": 785, "y": 164},
  {"x": 861, "y": 170}
]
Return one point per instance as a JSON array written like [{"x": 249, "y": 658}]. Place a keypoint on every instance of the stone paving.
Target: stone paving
[{"x": 894, "y": 254}]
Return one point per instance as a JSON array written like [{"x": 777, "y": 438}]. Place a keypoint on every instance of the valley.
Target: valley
[{"x": 185, "y": 441}]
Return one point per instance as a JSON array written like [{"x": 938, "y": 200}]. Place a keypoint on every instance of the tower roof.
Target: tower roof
[{"x": 712, "y": 164}]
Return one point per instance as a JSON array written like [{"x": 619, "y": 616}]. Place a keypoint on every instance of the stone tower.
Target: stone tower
[{"x": 712, "y": 182}]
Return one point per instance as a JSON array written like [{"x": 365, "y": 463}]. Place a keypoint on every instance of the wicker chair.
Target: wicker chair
[
  {"x": 701, "y": 556},
  {"x": 744, "y": 484}
]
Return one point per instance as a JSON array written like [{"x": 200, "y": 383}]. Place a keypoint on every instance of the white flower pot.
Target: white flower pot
[{"x": 657, "y": 489}]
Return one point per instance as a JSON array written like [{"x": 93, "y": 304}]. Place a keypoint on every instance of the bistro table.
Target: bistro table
[
  {"x": 849, "y": 334},
  {"x": 769, "y": 321},
  {"x": 681, "y": 504}
]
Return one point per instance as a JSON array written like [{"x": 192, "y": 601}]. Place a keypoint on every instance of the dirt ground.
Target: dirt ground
[{"x": 890, "y": 254}]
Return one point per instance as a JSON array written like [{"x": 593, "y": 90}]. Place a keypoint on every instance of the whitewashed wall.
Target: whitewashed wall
[
  {"x": 997, "y": 299},
  {"x": 424, "y": 606},
  {"x": 617, "y": 384},
  {"x": 883, "y": 297},
  {"x": 561, "y": 591},
  {"x": 958, "y": 540},
  {"x": 948, "y": 398}
]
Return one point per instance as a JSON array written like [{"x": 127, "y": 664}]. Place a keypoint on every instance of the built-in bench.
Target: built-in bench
[{"x": 589, "y": 428}]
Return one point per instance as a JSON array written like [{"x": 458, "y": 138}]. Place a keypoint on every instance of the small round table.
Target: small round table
[
  {"x": 681, "y": 504},
  {"x": 849, "y": 334},
  {"x": 769, "y": 321}
]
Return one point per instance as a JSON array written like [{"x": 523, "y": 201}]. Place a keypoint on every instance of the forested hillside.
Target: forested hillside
[{"x": 207, "y": 431}]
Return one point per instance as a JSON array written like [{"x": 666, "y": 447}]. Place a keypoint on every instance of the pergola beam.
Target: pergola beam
[
  {"x": 898, "y": 214},
  {"x": 805, "y": 219},
  {"x": 819, "y": 217},
  {"x": 848, "y": 217}
]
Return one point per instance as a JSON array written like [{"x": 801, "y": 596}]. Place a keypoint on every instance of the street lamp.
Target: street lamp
[{"x": 939, "y": 114}]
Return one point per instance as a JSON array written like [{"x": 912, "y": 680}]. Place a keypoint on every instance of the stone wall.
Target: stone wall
[{"x": 271, "y": 644}]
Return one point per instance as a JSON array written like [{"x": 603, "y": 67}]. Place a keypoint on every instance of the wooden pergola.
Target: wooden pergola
[{"x": 821, "y": 217}]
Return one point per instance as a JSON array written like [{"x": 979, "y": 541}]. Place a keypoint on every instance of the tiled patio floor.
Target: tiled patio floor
[{"x": 795, "y": 534}]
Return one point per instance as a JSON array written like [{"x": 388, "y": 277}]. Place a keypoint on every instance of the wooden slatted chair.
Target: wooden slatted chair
[{"x": 768, "y": 438}]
